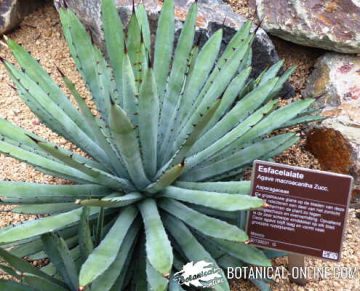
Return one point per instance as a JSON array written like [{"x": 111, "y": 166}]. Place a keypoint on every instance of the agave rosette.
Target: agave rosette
[{"x": 154, "y": 190}]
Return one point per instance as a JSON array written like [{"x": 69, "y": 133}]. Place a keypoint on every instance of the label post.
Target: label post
[{"x": 297, "y": 261}]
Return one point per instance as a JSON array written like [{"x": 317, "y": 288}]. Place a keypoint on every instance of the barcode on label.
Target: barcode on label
[{"x": 330, "y": 255}]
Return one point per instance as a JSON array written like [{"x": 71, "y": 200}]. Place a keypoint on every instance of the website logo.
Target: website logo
[{"x": 199, "y": 274}]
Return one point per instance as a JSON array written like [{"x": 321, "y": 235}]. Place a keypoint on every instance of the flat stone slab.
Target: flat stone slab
[
  {"x": 332, "y": 25},
  {"x": 336, "y": 141},
  {"x": 212, "y": 15}
]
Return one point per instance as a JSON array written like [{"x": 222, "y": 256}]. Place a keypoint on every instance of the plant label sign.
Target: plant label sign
[{"x": 306, "y": 210}]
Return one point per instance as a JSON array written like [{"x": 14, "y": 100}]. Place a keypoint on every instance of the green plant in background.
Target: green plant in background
[{"x": 146, "y": 198}]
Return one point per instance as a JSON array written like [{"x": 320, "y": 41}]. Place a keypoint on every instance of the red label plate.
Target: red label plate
[{"x": 306, "y": 210}]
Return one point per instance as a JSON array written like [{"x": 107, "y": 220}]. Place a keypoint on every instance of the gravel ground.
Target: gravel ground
[
  {"x": 41, "y": 34},
  {"x": 246, "y": 8}
]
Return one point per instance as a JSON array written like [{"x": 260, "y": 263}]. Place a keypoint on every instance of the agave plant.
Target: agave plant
[
  {"x": 60, "y": 276},
  {"x": 158, "y": 183}
]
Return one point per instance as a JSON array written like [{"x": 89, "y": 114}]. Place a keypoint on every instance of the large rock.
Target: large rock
[
  {"x": 12, "y": 12},
  {"x": 212, "y": 15},
  {"x": 336, "y": 142},
  {"x": 331, "y": 24}
]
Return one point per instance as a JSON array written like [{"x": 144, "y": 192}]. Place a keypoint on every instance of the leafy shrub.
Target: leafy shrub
[{"x": 155, "y": 190}]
